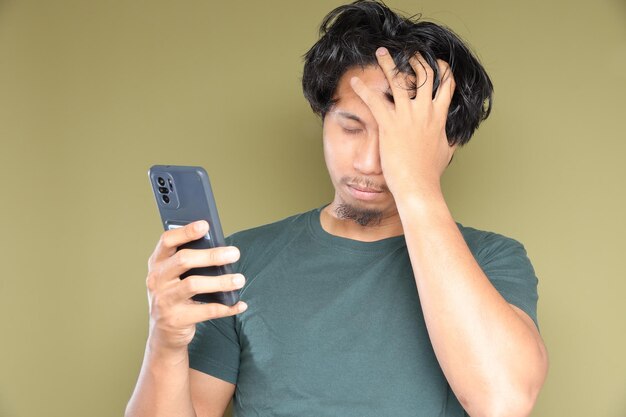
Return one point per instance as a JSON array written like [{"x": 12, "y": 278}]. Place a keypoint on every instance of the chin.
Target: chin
[
  {"x": 362, "y": 216},
  {"x": 379, "y": 204}
]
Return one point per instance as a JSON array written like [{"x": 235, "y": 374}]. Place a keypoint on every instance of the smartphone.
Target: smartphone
[{"x": 183, "y": 195}]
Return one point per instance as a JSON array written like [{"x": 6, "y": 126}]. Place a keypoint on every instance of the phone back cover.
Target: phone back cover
[{"x": 191, "y": 200}]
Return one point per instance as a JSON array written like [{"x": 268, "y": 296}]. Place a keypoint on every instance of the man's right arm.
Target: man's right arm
[{"x": 166, "y": 385}]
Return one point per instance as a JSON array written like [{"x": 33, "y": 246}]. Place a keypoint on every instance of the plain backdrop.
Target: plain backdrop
[{"x": 92, "y": 93}]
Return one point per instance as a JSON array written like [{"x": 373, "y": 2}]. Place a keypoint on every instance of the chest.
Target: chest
[{"x": 332, "y": 313}]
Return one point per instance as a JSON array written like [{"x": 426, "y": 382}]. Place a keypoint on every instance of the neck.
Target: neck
[{"x": 389, "y": 226}]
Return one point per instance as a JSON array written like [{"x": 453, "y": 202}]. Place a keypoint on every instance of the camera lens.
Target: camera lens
[
  {"x": 161, "y": 181},
  {"x": 165, "y": 198},
  {"x": 164, "y": 190}
]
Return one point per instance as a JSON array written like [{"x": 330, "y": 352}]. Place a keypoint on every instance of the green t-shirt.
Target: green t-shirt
[{"x": 334, "y": 326}]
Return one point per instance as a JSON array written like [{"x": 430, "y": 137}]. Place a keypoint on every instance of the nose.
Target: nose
[{"x": 367, "y": 159}]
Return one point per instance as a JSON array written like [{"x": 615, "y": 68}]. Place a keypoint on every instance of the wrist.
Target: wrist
[
  {"x": 425, "y": 204},
  {"x": 168, "y": 355},
  {"x": 418, "y": 194}
]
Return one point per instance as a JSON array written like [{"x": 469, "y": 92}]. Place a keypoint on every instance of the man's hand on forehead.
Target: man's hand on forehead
[{"x": 414, "y": 148}]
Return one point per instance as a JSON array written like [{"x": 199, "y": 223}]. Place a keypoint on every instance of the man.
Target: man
[{"x": 377, "y": 304}]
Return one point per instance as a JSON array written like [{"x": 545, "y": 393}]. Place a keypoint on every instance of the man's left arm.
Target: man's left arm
[{"x": 489, "y": 350}]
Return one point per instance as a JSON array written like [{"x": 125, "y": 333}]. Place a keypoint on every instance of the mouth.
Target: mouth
[
  {"x": 364, "y": 193},
  {"x": 365, "y": 189}
]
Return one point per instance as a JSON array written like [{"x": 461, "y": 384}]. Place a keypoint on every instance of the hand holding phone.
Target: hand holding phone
[
  {"x": 173, "y": 313},
  {"x": 184, "y": 195},
  {"x": 190, "y": 264}
]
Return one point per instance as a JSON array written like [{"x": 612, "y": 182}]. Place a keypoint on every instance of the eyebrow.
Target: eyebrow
[{"x": 350, "y": 116}]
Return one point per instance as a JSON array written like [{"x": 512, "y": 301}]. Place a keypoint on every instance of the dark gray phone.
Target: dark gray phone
[{"x": 183, "y": 195}]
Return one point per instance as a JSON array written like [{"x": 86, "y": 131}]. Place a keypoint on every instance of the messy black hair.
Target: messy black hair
[{"x": 349, "y": 37}]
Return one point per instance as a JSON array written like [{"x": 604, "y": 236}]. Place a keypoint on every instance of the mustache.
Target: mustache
[{"x": 365, "y": 183}]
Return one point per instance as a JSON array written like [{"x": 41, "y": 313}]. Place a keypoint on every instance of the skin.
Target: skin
[
  {"x": 385, "y": 157},
  {"x": 490, "y": 351},
  {"x": 166, "y": 385}
]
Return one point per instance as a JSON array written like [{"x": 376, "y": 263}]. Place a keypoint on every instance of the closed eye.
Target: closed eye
[{"x": 352, "y": 131}]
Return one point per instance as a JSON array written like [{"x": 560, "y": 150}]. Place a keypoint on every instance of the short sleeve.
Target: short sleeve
[
  {"x": 215, "y": 348},
  {"x": 507, "y": 266}
]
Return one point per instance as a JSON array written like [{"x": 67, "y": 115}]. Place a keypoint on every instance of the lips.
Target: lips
[
  {"x": 364, "y": 193},
  {"x": 365, "y": 189}
]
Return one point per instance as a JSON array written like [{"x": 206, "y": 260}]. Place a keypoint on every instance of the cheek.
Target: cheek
[
  {"x": 337, "y": 149},
  {"x": 330, "y": 157}
]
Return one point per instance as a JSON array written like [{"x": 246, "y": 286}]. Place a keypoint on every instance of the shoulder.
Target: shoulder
[
  {"x": 266, "y": 241},
  {"x": 270, "y": 231},
  {"x": 506, "y": 264},
  {"x": 503, "y": 259},
  {"x": 486, "y": 245},
  {"x": 260, "y": 244}
]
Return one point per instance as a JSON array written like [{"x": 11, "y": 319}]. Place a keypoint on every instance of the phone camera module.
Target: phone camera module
[
  {"x": 161, "y": 181},
  {"x": 166, "y": 199}
]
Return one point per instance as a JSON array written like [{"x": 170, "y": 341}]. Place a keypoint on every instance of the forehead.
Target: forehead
[{"x": 372, "y": 76}]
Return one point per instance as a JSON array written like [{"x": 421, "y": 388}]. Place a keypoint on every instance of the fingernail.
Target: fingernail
[
  {"x": 232, "y": 253},
  {"x": 381, "y": 51},
  {"x": 239, "y": 280},
  {"x": 200, "y": 226},
  {"x": 243, "y": 306}
]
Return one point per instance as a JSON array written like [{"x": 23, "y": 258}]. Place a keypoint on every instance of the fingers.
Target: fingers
[
  {"x": 186, "y": 259},
  {"x": 172, "y": 318},
  {"x": 172, "y": 304},
  {"x": 169, "y": 270},
  {"x": 425, "y": 77},
  {"x": 444, "y": 94},
  {"x": 372, "y": 99},
  {"x": 172, "y": 239},
  {"x": 397, "y": 82},
  {"x": 202, "y": 312},
  {"x": 198, "y": 284}
]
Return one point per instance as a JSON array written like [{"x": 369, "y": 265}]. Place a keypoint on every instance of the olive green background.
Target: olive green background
[{"x": 94, "y": 92}]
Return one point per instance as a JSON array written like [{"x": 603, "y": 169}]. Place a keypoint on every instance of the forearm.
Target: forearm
[
  {"x": 163, "y": 386},
  {"x": 490, "y": 355}
]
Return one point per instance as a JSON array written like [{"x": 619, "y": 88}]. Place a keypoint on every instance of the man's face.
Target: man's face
[{"x": 351, "y": 148}]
